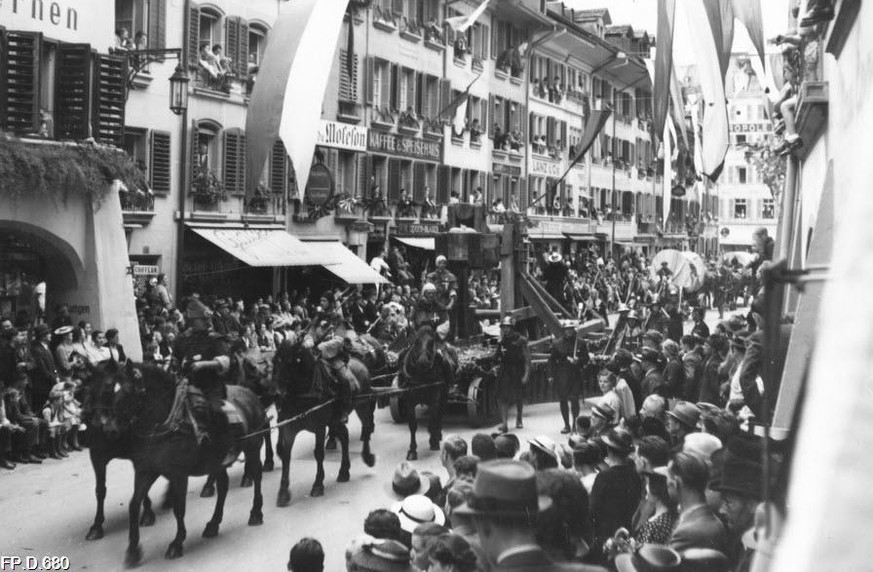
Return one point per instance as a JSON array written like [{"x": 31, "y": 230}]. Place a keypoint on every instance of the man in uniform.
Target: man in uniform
[
  {"x": 344, "y": 383},
  {"x": 446, "y": 287},
  {"x": 203, "y": 357},
  {"x": 568, "y": 357},
  {"x": 514, "y": 356},
  {"x": 428, "y": 310}
]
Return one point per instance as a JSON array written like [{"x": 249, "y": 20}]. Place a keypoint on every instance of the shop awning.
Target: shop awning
[
  {"x": 263, "y": 247},
  {"x": 425, "y": 243},
  {"x": 580, "y": 237},
  {"x": 344, "y": 263}
]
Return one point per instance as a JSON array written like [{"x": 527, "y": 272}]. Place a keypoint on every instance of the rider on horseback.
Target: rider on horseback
[
  {"x": 343, "y": 382},
  {"x": 428, "y": 310},
  {"x": 201, "y": 355}
]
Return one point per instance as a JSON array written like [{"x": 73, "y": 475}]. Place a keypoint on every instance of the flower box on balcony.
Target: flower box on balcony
[
  {"x": 343, "y": 215},
  {"x": 380, "y": 219},
  {"x": 435, "y": 45},
  {"x": 498, "y": 153},
  {"x": 515, "y": 80},
  {"x": 408, "y": 129},
  {"x": 407, "y": 34},
  {"x": 383, "y": 123},
  {"x": 476, "y": 144},
  {"x": 137, "y": 218},
  {"x": 459, "y": 141},
  {"x": 500, "y": 74},
  {"x": 516, "y": 156},
  {"x": 432, "y": 133},
  {"x": 384, "y": 25},
  {"x": 406, "y": 219}
]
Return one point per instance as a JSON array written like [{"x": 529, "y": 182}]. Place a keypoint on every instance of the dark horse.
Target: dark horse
[
  {"x": 144, "y": 402},
  {"x": 106, "y": 441},
  {"x": 298, "y": 376},
  {"x": 427, "y": 373}
]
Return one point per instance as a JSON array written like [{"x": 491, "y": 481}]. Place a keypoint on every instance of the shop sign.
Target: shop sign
[
  {"x": 146, "y": 270},
  {"x": 750, "y": 128},
  {"x": 62, "y": 20},
  {"x": 547, "y": 168},
  {"x": 418, "y": 228},
  {"x": 319, "y": 188},
  {"x": 414, "y": 147},
  {"x": 342, "y": 136},
  {"x": 501, "y": 169},
  {"x": 725, "y": 231}
]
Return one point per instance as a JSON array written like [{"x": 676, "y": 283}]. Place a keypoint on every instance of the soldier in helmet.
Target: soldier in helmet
[
  {"x": 203, "y": 357},
  {"x": 568, "y": 356},
  {"x": 513, "y": 373}
]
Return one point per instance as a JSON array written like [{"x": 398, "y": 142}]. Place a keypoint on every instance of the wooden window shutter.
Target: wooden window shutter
[
  {"x": 231, "y": 38},
  {"x": 485, "y": 39},
  {"x": 563, "y": 134},
  {"x": 412, "y": 93},
  {"x": 492, "y": 114},
  {"x": 365, "y": 167},
  {"x": 394, "y": 101},
  {"x": 73, "y": 97},
  {"x": 192, "y": 29},
  {"x": 398, "y": 7},
  {"x": 19, "y": 81},
  {"x": 394, "y": 183},
  {"x": 494, "y": 33},
  {"x": 234, "y": 161},
  {"x": 345, "y": 82},
  {"x": 533, "y": 126},
  {"x": 195, "y": 150},
  {"x": 107, "y": 121},
  {"x": 419, "y": 181},
  {"x": 370, "y": 75},
  {"x": 445, "y": 95},
  {"x": 550, "y": 131},
  {"x": 159, "y": 161},
  {"x": 241, "y": 57},
  {"x": 521, "y": 124},
  {"x": 444, "y": 183},
  {"x": 385, "y": 93},
  {"x": 157, "y": 33},
  {"x": 278, "y": 168},
  {"x": 420, "y": 97}
]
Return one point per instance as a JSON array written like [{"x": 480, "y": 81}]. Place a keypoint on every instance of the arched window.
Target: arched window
[
  {"x": 257, "y": 43},
  {"x": 207, "y": 146}
]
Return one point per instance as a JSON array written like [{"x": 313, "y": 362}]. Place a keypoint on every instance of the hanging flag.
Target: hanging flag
[
  {"x": 720, "y": 15},
  {"x": 460, "y": 119},
  {"x": 593, "y": 128},
  {"x": 765, "y": 79},
  {"x": 450, "y": 110},
  {"x": 715, "y": 120},
  {"x": 461, "y": 23},
  {"x": 286, "y": 100},
  {"x": 663, "y": 62},
  {"x": 678, "y": 106},
  {"x": 695, "y": 130},
  {"x": 748, "y": 12},
  {"x": 668, "y": 175}
]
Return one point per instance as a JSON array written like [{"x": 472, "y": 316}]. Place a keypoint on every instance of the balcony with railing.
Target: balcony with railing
[
  {"x": 384, "y": 117},
  {"x": 137, "y": 206}
]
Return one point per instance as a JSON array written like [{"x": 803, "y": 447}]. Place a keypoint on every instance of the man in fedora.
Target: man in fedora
[
  {"x": 204, "y": 358},
  {"x": 698, "y": 526},
  {"x": 653, "y": 379},
  {"x": 44, "y": 374},
  {"x": 514, "y": 359},
  {"x": 504, "y": 505},
  {"x": 407, "y": 481},
  {"x": 617, "y": 490}
]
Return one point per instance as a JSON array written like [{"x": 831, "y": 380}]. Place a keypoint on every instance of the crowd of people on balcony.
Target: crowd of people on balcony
[{"x": 217, "y": 69}]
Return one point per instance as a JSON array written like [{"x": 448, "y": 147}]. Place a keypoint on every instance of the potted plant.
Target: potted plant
[
  {"x": 207, "y": 187},
  {"x": 258, "y": 203}
]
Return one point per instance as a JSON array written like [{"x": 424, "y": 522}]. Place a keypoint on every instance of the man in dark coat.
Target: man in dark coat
[
  {"x": 617, "y": 490},
  {"x": 714, "y": 351},
  {"x": 700, "y": 329},
  {"x": 692, "y": 362},
  {"x": 504, "y": 505},
  {"x": 44, "y": 374},
  {"x": 698, "y": 526},
  {"x": 653, "y": 378},
  {"x": 359, "y": 314},
  {"x": 567, "y": 358},
  {"x": 514, "y": 356},
  {"x": 555, "y": 274},
  {"x": 223, "y": 322},
  {"x": 203, "y": 357}
]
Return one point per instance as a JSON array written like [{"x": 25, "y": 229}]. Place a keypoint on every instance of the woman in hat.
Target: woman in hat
[
  {"x": 64, "y": 350},
  {"x": 514, "y": 359},
  {"x": 415, "y": 510},
  {"x": 380, "y": 556},
  {"x": 659, "y": 527}
]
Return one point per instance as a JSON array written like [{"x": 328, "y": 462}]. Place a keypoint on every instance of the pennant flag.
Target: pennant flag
[
  {"x": 663, "y": 62},
  {"x": 286, "y": 100},
  {"x": 715, "y": 120},
  {"x": 593, "y": 127},
  {"x": 721, "y": 21},
  {"x": 452, "y": 107},
  {"x": 748, "y": 12},
  {"x": 461, "y": 23},
  {"x": 460, "y": 118},
  {"x": 678, "y": 106},
  {"x": 668, "y": 175},
  {"x": 695, "y": 129},
  {"x": 765, "y": 79}
]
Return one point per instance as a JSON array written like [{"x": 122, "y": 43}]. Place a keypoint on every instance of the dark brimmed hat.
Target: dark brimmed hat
[
  {"x": 545, "y": 444},
  {"x": 621, "y": 441},
  {"x": 505, "y": 488},
  {"x": 623, "y": 357},
  {"x": 741, "y": 477},
  {"x": 407, "y": 481},
  {"x": 686, "y": 413},
  {"x": 40, "y": 330},
  {"x": 383, "y": 556},
  {"x": 649, "y": 558}
]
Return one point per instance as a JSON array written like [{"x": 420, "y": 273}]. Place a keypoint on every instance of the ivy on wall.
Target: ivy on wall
[{"x": 60, "y": 171}]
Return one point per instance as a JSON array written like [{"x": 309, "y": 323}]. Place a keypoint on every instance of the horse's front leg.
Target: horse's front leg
[
  {"x": 318, "y": 485},
  {"x": 435, "y": 422},
  {"x": 255, "y": 470},
  {"x": 99, "y": 466},
  {"x": 342, "y": 433},
  {"x": 221, "y": 480},
  {"x": 287, "y": 435},
  {"x": 268, "y": 454},
  {"x": 409, "y": 406},
  {"x": 179, "y": 486},
  {"x": 142, "y": 482}
]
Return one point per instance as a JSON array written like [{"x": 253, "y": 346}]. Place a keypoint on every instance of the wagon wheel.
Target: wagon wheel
[
  {"x": 397, "y": 413},
  {"x": 481, "y": 403}
]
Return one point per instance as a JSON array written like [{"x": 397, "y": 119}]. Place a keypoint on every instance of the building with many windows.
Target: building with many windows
[{"x": 747, "y": 203}]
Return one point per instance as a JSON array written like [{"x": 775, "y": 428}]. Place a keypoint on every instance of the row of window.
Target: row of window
[
  {"x": 744, "y": 208},
  {"x": 58, "y": 90}
]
